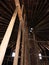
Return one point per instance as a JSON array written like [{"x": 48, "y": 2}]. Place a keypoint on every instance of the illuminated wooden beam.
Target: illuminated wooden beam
[
  {"x": 17, "y": 46},
  {"x": 6, "y": 37}
]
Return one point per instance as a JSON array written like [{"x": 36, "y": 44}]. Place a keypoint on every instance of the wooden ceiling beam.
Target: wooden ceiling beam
[
  {"x": 2, "y": 10},
  {"x": 41, "y": 12},
  {"x": 40, "y": 5},
  {"x": 3, "y": 18},
  {"x": 6, "y": 7},
  {"x": 41, "y": 22},
  {"x": 43, "y": 5},
  {"x": 44, "y": 26},
  {"x": 3, "y": 22},
  {"x": 5, "y": 13},
  {"x": 35, "y": 8},
  {"x": 9, "y": 4},
  {"x": 13, "y": 4}
]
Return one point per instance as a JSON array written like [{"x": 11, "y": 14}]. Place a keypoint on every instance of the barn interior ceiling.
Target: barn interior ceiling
[{"x": 37, "y": 17}]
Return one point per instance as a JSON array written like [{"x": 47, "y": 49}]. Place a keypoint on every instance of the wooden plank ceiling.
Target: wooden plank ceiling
[{"x": 37, "y": 15}]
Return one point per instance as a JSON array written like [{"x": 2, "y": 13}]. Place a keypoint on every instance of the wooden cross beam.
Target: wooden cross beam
[
  {"x": 8, "y": 32},
  {"x": 19, "y": 10}
]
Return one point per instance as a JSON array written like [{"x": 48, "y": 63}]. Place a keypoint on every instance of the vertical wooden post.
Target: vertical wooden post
[
  {"x": 22, "y": 50},
  {"x": 6, "y": 38},
  {"x": 27, "y": 55},
  {"x": 17, "y": 46}
]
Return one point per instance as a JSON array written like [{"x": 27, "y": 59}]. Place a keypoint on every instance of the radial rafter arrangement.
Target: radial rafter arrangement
[{"x": 37, "y": 20}]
